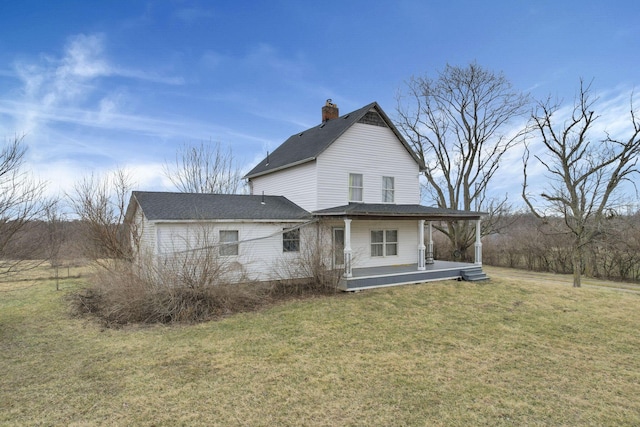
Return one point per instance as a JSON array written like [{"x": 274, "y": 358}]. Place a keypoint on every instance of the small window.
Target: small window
[
  {"x": 355, "y": 187},
  {"x": 388, "y": 185},
  {"x": 291, "y": 241},
  {"x": 384, "y": 243},
  {"x": 228, "y": 242}
]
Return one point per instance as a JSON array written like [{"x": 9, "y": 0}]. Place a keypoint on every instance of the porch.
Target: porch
[
  {"x": 385, "y": 234},
  {"x": 377, "y": 277}
]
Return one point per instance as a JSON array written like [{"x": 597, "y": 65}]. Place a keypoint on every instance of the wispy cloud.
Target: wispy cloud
[
  {"x": 56, "y": 88},
  {"x": 78, "y": 111}
]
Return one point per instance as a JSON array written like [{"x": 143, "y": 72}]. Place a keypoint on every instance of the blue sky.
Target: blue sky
[{"x": 97, "y": 85}]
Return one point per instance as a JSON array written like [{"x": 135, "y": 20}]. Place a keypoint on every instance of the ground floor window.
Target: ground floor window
[
  {"x": 291, "y": 241},
  {"x": 384, "y": 242},
  {"x": 227, "y": 240}
]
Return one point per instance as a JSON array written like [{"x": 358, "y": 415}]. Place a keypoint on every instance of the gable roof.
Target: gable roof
[
  {"x": 158, "y": 206},
  {"x": 309, "y": 144}
]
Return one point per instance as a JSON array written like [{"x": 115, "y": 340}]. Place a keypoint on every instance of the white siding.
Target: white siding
[
  {"x": 374, "y": 152},
  {"x": 144, "y": 233},
  {"x": 297, "y": 184},
  {"x": 361, "y": 243},
  {"x": 260, "y": 253}
]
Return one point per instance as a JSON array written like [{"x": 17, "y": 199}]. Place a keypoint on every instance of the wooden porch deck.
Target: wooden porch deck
[{"x": 396, "y": 275}]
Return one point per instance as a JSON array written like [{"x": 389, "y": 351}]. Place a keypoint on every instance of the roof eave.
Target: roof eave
[
  {"x": 279, "y": 168},
  {"x": 228, "y": 220},
  {"x": 442, "y": 216}
]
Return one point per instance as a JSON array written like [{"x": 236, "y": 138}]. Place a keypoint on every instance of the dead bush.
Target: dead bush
[
  {"x": 122, "y": 296},
  {"x": 310, "y": 270},
  {"x": 198, "y": 285}
]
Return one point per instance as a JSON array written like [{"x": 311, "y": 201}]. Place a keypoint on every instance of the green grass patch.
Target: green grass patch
[{"x": 505, "y": 352}]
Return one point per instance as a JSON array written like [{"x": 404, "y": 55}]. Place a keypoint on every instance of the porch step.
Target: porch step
[{"x": 473, "y": 274}]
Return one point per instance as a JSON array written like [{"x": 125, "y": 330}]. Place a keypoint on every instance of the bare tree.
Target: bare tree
[
  {"x": 458, "y": 124},
  {"x": 55, "y": 231},
  {"x": 583, "y": 174},
  {"x": 204, "y": 168},
  {"x": 21, "y": 202},
  {"x": 101, "y": 203}
]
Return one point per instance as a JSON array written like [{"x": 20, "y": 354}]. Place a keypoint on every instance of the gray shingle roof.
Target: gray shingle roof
[
  {"x": 192, "y": 206},
  {"x": 309, "y": 144},
  {"x": 390, "y": 210}
]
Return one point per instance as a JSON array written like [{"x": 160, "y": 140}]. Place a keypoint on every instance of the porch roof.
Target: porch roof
[{"x": 386, "y": 210}]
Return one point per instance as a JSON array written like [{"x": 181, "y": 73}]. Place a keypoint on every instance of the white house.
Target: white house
[{"x": 351, "y": 182}]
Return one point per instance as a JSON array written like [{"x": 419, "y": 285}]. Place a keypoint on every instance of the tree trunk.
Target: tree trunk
[{"x": 577, "y": 267}]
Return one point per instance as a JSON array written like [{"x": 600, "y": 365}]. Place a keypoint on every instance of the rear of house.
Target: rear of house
[{"x": 347, "y": 189}]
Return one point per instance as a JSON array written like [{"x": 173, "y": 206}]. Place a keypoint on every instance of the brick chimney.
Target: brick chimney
[{"x": 329, "y": 111}]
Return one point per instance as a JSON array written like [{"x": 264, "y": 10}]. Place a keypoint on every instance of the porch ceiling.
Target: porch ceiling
[{"x": 386, "y": 211}]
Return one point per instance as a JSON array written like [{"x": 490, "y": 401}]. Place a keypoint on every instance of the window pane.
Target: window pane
[
  {"x": 228, "y": 236},
  {"x": 387, "y": 182},
  {"x": 291, "y": 241},
  {"x": 392, "y": 236},
  {"x": 355, "y": 194},
  {"x": 355, "y": 180},
  {"x": 377, "y": 249},
  {"x": 377, "y": 243},
  {"x": 355, "y": 187},
  {"x": 387, "y": 189},
  {"x": 392, "y": 249}
]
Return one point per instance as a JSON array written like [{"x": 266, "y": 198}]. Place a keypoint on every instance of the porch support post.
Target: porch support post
[
  {"x": 421, "y": 246},
  {"x": 347, "y": 248},
  {"x": 430, "y": 245},
  {"x": 478, "y": 245}
]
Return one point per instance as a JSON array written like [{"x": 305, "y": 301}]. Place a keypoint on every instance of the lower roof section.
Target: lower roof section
[
  {"x": 386, "y": 210},
  {"x": 166, "y": 206}
]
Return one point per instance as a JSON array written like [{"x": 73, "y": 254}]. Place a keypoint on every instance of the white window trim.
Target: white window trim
[
  {"x": 384, "y": 242},
  {"x": 392, "y": 190},
  {"x": 361, "y": 188},
  {"x": 229, "y": 245},
  {"x": 291, "y": 240}
]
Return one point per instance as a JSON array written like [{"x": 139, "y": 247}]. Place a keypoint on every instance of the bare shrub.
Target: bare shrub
[
  {"x": 124, "y": 295},
  {"x": 310, "y": 271},
  {"x": 191, "y": 282}
]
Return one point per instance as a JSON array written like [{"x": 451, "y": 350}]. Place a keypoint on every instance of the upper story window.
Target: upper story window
[
  {"x": 291, "y": 241},
  {"x": 228, "y": 242},
  {"x": 388, "y": 189},
  {"x": 355, "y": 187}
]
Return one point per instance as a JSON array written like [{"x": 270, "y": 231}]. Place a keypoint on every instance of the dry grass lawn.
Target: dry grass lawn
[{"x": 512, "y": 351}]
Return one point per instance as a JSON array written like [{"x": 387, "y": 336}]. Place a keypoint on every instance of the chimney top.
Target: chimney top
[{"x": 329, "y": 111}]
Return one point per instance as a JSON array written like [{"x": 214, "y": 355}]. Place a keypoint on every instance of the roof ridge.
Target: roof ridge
[{"x": 306, "y": 145}]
